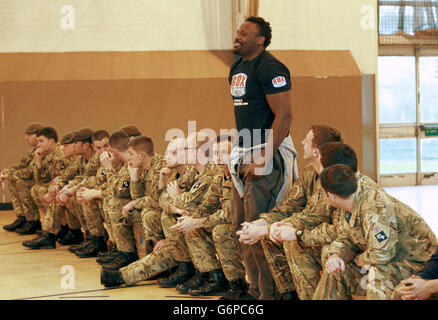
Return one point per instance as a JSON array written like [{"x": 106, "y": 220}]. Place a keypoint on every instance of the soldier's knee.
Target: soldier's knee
[{"x": 222, "y": 231}]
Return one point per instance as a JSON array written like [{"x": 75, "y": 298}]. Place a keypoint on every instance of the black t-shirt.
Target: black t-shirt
[{"x": 250, "y": 82}]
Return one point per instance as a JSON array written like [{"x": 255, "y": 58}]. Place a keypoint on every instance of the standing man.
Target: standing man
[{"x": 263, "y": 164}]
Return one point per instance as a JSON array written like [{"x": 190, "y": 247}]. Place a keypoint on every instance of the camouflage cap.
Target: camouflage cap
[
  {"x": 84, "y": 134},
  {"x": 131, "y": 130},
  {"x": 69, "y": 138},
  {"x": 33, "y": 128}
]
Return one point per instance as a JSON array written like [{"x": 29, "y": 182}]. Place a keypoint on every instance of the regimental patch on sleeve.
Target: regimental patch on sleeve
[
  {"x": 381, "y": 236},
  {"x": 103, "y": 172},
  {"x": 279, "y": 82},
  {"x": 196, "y": 186},
  {"x": 126, "y": 184}
]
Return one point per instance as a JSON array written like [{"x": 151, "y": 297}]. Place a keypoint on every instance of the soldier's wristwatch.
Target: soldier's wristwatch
[{"x": 299, "y": 234}]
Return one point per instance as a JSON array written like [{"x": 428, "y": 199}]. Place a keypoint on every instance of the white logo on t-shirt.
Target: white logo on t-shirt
[
  {"x": 279, "y": 82},
  {"x": 238, "y": 85}
]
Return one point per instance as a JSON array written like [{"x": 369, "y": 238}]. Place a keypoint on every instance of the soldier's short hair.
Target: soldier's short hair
[
  {"x": 119, "y": 141},
  {"x": 131, "y": 130},
  {"x": 99, "y": 135},
  {"x": 339, "y": 179},
  {"x": 68, "y": 138},
  {"x": 338, "y": 153},
  {"x": 49, "y": 133},
  {"x": 323, "y": 133},
  {"x": 33, "y": 128},
  {"x": 143, "y": 144}
]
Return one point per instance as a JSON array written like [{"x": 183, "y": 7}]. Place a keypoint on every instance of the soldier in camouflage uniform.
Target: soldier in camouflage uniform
[
  {"x": 119, "y": 194},
  {"x": 166, "y": 254},
  {"x": 316, "y": 225},
  {"x": 13, "y": 174},
  {"x": 380, "y": 241},
  {"x": 144, "y": 167},
  {"x": 216, "y": 226},
  {"x": 304, "y": 192},
  {"x": 53, "y": 211}
]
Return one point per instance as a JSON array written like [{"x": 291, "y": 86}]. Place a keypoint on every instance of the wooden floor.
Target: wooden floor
[{"x": 36, "y": 274}]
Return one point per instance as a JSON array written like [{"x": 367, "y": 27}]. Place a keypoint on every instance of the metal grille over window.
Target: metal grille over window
[{"x": 408, "y": 22}]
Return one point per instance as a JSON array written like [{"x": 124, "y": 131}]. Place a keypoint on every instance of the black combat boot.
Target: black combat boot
[
  {"x": 81, "y": 245},
  {"x": 238, "y": 291},
  {"x": 44, "y": 241},
  {"x": 62, "y": 232},
  {"x": 107, "y": 257},
  {"x": 185, "y": 271},
  {"x": 97, "y": 244},
  {"x": 216, "y": 286},
  {"x": 198, "y": 280},
  {"x": 111, "y": 278},
  {"x": 72, "y": 237},
  {"x": 290, "y": 295},
  {"x": 30, "y": 227},
  {"x": 122, "y": 259},
  {"x": 18, "y": 223}
]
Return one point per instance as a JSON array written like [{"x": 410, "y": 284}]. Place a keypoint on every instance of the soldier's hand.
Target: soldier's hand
[
  {"x": 127, "y": 208},
  {"x": 251, "y": 233},
  {"x": 274, "y": 232},
  {"x": 106, "y": 159},
  {"x": 415, "y": 288},
  {"x": 165, "y": 173},
  {"x": 334, "y": 263},
  {"x": 186, "y": 224},
  {"x": 173, "y": 189},
  {"x": 62, "y": 198},
  {"x": 359, "y": 260},
  {"x": 250, "y": 171},
  {"x": 53, "y": 190},
  {"x": 47, "y": 198},
  {"x": 160, "y": 245},
  {"x": 133, "y": 173}
]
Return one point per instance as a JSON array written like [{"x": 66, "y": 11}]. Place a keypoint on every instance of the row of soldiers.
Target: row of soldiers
[{"x": 147, "y": 216}]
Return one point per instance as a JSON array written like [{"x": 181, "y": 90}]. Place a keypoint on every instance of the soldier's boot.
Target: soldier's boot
[
  {"x": 44, "y": 241},
  {"x": 62, "y": 232},
  {"x": 81, "y": 245},
  {"x": 97, "y": 245},
  {"x": 185, "y": 271},
  {"x": 111, "y": 278},
  {"x": 216, "y": 286},
  {"x": 30, "y": 227},
  {"x": 18, "y": 223},
  {"x": 238, "y": 291},
  {"x": 195, "y": 282},
  {"x": 290, "y": 295},
  {"x": 122, "y": 259},
  {"x": 72, "y": 237},
  {"x": 107, "y": 257}
]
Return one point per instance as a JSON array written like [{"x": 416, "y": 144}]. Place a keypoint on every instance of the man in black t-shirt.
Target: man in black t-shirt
[{"x": 260, "y": 88}]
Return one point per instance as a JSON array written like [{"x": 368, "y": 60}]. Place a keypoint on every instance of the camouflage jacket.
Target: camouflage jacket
[
  {"x": 302, "y": 190},
  {"x": 203, "y": 198},
  {"x": 382, "y": 228},
  {"x": 53, "y": 165},
  {"x": 145, "y": 189},
  {"x": 22, "y": 170},
  {"x": 185, "y": 182},
  {"x": 223, "y": 215},
  {"x": 89, "y": 173},
  {"x": 118, "y": 182}
]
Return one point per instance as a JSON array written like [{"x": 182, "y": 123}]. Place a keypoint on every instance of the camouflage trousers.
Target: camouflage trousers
[
  {"x": 74, "y": 214},
  {"x": 93, "y": 217},
  {"x": 225, "y": 242},
  {"x": 148, "y": 267},
  {"x": 376, "y": 282},
  {"x": 202, "y": 250},
  {"x": 122, "y": 230},
  {"x": 15, "y": 197},
  {"x": 305, "y": 264},
  {"x": 53, "y": 213},
  {"x": 151, "y": 221},
  {"x": 177, "y": 242},
  {"x": 24, "y": 191},
  {"x": 106, "y": 219},
  {"x": 277, "y": 262}
]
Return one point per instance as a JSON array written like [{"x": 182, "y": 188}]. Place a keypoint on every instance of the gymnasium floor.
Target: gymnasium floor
[{"x": 36, "y": 275}]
